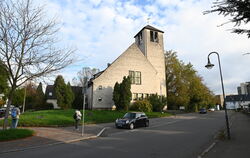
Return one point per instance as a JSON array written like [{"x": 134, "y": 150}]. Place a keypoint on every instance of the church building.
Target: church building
[{"x": 143, "y": 61}]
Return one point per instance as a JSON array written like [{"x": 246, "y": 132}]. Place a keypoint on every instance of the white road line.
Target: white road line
[{"x": 207, "y": 150}]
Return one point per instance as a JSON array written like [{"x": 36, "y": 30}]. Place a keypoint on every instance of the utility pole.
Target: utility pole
[{"x": 24, "y": 98}]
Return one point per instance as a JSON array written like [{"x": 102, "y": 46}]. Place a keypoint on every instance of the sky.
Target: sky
[{"x": 101, "y": 30}]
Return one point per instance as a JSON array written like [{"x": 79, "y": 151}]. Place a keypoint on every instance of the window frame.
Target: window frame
[{"x": 135, "y": 77}]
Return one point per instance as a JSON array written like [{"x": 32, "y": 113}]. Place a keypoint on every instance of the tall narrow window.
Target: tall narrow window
[
  {"x": 154, "y": 36},
  {"x": 132, "y": 76},
  {"x": 137, "y": 77},
  {"x": 140, "y": 38}
]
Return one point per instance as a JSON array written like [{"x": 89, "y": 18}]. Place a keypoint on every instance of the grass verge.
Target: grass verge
[
  {"x": 53, "y": 118},
  {"x": 11, "y": 134}
]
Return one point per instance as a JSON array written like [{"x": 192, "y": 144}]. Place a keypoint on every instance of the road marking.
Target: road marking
[
  {"x": 207, "y": 150},
  {"x": 98, "y": 135}
]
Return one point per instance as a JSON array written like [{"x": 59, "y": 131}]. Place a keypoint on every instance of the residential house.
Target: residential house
[{"x": 50, "y": 95}]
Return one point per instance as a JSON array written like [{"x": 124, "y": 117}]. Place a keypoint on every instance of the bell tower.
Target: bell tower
[{"x": 150, "y": 41}]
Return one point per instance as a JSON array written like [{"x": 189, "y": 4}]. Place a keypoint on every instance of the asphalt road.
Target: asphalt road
[{"x": 185, "y": 136}]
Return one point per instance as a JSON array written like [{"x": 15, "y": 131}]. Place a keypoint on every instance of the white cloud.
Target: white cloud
[{"x": 102, "y": 30}]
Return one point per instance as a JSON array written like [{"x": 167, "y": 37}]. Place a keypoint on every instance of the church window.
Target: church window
[
  {"x": 140, "y": 38},
  {"x": 154, "y": 36},
  {"x": 135, "y": 77}
]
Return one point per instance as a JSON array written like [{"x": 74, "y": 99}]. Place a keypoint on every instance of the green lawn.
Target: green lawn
[
  {"x": 47, "y": 118},
  {"x": 12, "y": 134}
]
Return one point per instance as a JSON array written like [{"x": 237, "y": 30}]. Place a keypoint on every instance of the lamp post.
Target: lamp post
[
  {"x": 210, "y": 66},
  {"x": 83, "y": 107}
]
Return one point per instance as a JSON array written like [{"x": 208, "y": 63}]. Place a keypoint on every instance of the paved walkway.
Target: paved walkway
[
  {"x": 239, "y": 145},
  {"x": 45, "y": 136}
]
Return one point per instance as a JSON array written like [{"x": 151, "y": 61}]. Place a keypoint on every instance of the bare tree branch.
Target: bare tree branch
[{"x": 28, "y": 43}]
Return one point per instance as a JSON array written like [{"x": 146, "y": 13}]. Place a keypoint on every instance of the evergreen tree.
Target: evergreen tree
[
  {"x": 122, "y": 94},
  {"x": 69, "y": 95},
  {"x": 40, "y": 97},
  {"x": 63, "y": 93},
  {"x": 116, "y": 95},
  {"x": 237, "y": 10},
  {"x": 125, "y": 93}
]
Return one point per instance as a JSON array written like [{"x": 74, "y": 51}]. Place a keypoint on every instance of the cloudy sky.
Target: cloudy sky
[{"x": 102, "y": 29}]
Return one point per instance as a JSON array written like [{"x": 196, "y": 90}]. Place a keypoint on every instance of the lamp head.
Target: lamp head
[{"x": 209, "y": 65}]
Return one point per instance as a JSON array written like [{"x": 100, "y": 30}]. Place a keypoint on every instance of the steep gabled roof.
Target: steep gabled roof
[
  {"x": 50, "y": 89},
  {"x": 100, "y": 73},
  {"x": 150, "y": 28}
]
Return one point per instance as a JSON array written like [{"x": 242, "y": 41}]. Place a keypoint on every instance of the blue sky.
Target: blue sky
[{"x": 102, "y": 29}]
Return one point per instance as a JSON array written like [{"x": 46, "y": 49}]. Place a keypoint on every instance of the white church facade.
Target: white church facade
[{"x": 143, "y": 61}]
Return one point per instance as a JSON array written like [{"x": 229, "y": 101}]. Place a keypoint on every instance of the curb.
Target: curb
[{"x": 57, "y": 143}]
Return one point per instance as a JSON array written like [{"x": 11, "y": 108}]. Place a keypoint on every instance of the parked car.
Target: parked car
[
  {"x": 131, "y": 120},
  {"x": 203, "y": 111},
  {"x": 211, "y": 109}
]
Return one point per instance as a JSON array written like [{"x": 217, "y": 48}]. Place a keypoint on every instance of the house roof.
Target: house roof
[
  {"x": 101, "y": 72},
  {"x": 233, "y": 98},
  {"x": 150, "y": 28},
  {"x": 50, "y": 89}
]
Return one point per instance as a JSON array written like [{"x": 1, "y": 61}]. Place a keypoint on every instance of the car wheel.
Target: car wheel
[
  {"x": 147, "y": 124},
  {"x": 131, "y": 126}
]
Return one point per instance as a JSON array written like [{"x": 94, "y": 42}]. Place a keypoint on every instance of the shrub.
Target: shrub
[
  {"x": 158, "y": 102},
  {"x": 141, "y": 105}
]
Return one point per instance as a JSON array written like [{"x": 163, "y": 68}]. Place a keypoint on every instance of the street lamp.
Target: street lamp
[{"x": 210, "y": 66}]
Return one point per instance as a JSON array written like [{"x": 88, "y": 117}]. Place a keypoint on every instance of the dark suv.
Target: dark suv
[{"x": 131, "y": 120}]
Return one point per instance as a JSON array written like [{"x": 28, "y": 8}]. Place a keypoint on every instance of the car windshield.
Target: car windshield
[{"x": 129, "y": 115}]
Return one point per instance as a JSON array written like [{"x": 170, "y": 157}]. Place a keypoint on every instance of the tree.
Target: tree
[
  {"x": 116, "y": 95},
  {"x": 125, "y": 93},
  {"x": 3, "y": 79},
  {"x": 28, "y": 44},
  {"x": 40, "y": 97},
  {"x": 237, "y": 10},
  {"x": 18, "y": 96},
  {"x": 31, "y": 100},
  {"x": 184, "y": 86},
  {"x": 69, "y": 96},
  {"x": 122, "y": 94},
  {"x": 177, "y": 90},
  {"x": 85, "y": 75},
  {"x": 157, "y": 102},
  {"x": 64, "y": 94}
]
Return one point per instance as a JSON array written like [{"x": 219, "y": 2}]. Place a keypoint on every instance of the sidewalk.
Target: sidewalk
[
  {"x": 239, "y": 145},
  {"x": 45, "y": 136}
]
